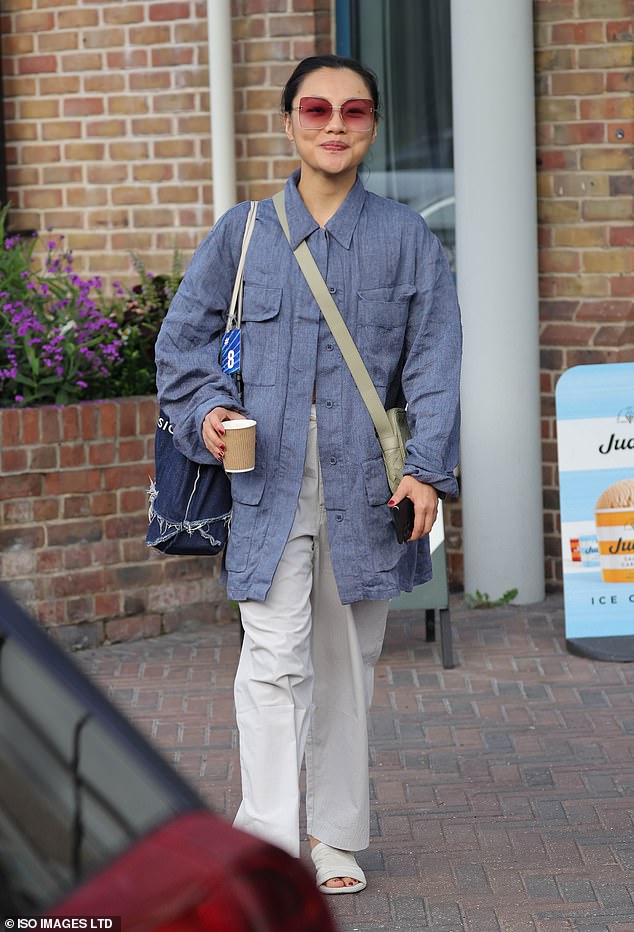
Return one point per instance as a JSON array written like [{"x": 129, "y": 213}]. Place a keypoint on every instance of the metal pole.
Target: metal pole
[
  {"x": 496, "y": 239},
  {"x": 221, "y": 105}
]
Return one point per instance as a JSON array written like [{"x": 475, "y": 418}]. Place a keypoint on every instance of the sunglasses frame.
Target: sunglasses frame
[{"x": 365, "y": 100}]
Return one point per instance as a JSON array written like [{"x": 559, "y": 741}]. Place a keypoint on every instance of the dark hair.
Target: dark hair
[{"x": 314, "y": 63}]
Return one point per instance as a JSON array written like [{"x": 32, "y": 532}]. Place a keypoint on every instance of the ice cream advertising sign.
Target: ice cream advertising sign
[{"x": 595, "y": 438}]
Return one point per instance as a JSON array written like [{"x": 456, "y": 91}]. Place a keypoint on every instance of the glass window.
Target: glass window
[{"x": 408, "y": 44}]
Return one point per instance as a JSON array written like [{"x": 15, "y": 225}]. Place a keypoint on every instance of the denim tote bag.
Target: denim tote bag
[{"x": 190, "y": 503}]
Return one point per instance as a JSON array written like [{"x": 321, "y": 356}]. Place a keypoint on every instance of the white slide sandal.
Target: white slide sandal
[{"x": 333, "y": 862}]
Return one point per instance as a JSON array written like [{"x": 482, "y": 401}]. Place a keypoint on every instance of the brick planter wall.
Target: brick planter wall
[
  {"x": 73, "y": 515},
  {"x": 584, "y": 110}
]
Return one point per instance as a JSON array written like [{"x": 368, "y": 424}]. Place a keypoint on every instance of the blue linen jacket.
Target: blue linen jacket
[{"x": 390, "y": 278}]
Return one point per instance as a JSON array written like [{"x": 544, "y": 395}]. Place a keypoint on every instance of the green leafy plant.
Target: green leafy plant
[
  {"x": 139, "y": 312},
  {"x": 483, "y": 599}
]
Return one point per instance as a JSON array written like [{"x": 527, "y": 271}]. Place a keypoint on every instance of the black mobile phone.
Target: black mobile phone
[{"x": 403, "y": 518}]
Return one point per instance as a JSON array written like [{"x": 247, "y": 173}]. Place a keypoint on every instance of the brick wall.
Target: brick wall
[
  {"x": 584, "y": 108},
  {"x": 107, "y": 118},
  {"x": 73, "y": 514},
  {"x": 270, "y": 37}
]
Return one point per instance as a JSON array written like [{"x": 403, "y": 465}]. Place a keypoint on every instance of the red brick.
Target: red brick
[
  {"x": 622, "y": 286},
  {"x": 18, "y": 512},
  {"x": 619, "y": 81},
  {"x": 44, "y": 457},
  {"x": 615, "y": 336},
  {"x": 103, "y": 503},
  {"x": 51, "y": 427},
  {"x": 106, "y": 552},
  {"x": 620, "y": 31},
  {"x": 604, "y": 310},
  {"x": 76, "y": 506},
  {"x": 23, "y": 486},
  {"x": 578, "y": 133},
  {"x": 81, "y": 609},
  {"x": 126, "y": 527},
  {"x": 71, "y": 481},
  {"x": 170, "y": 57},
  {"x": 169, "y": 11},
  {"x": 131, "y": 450},
  {"x": 557, "y": 310},
  {"x": 89, "y": 419},
  {"x": 46, "y": 509},
  {"x": 107, "y": 604},
  {"x": 567, "y": 335},
  {"x": 37, "y": 64},
  {"x": 30, "y": 423},
  {"x": 21, "y": 538},
  {"x": 622, "y": 236},
  {"x": 128, "y": 419},
  {"x": 72, "y": 454},
  {"x": 134, "y": 58},
  {"x": 83, "y": 106},
  {"x": 135, "y": 551},
  {"x": 101, "y": 454},
  {"x": 577, "y": 33},
  {"x": 77, "y": 583},
  {"x": 13, "y": 461},
  {"x": 77, "y": 558},
  {"x": 133, "y": 500},
  {"x": 10, "y": 422},
  {"x": 50, "y": 613},
  {"x": 120, "y": 477}
]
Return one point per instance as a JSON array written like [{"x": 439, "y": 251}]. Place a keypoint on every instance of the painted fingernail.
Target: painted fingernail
[{"x": 391, "y": 501}]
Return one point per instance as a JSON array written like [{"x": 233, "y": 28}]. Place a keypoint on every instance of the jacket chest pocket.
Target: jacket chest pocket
[
  {"x": 383, "y": 316},
  {"x": 260, "y": 334}
]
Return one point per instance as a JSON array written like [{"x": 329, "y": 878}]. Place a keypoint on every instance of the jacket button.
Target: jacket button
[
  {"x": 339, "y": 517},
  {"x": 329, "y": 404},
  {"x": 330, "y": 346},
  {"x": 332, "y": 289},
  {"x": 333, "y": 460}
]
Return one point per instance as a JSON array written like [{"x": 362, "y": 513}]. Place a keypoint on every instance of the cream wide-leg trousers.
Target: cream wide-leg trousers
[{"x": 304, "y": 686}]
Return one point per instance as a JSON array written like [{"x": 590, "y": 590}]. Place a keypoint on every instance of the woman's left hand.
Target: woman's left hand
[{"x": 425, "y": 498}]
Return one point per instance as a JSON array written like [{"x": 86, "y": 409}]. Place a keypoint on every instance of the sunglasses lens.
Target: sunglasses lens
[
  {"x": 357, "y": 114},
  {"x": 314, "y": 112}
]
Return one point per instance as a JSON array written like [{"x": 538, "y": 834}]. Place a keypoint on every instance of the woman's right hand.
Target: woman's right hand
[{"x": 213, "y": 431}]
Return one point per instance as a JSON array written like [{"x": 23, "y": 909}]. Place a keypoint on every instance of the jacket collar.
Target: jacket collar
[{"x": 341, "y": 226}]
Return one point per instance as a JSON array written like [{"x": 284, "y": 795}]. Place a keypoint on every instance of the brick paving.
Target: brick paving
[{"x": 503, "y": 790}]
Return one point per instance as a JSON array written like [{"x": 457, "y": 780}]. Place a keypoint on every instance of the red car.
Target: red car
[{"x": 94, "y": 823}]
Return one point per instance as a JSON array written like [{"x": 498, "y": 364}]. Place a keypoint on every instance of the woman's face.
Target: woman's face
[{"x": 336, "y": 148}]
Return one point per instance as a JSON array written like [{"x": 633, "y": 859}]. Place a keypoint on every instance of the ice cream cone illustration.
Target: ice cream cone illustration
[{"x": 614, "y": 517}]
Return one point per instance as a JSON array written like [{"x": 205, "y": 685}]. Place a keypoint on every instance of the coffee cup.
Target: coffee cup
[{"x": 239, "y": 442}]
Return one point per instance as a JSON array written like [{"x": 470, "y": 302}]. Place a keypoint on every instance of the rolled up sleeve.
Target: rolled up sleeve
[{"x": 431, "y": 372}]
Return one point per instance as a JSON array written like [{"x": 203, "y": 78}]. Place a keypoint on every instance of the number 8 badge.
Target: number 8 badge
[{"x": 230, "y": 352}]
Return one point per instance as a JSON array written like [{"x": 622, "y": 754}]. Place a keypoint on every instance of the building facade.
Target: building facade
[{"x": 107, "y": 140}]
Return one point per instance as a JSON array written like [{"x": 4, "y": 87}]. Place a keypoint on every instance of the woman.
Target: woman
[{"x": 312, "y": 556}]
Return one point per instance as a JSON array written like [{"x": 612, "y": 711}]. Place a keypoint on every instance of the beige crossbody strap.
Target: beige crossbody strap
[
  {"x": 340, "y": 332},
  {"x": 235, "y": 308}
]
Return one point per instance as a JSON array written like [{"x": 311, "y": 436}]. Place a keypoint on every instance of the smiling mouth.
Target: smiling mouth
[{"x": 337, "y": 146}]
